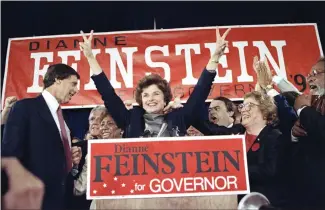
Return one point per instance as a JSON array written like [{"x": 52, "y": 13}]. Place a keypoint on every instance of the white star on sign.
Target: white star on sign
[
  {"x": 131, "y": 191},
  {"x": 113, "y": 191},
  {"x": 123, "y": 185},
  {"x": 104, "y": 185},
  {"x": 95, "y": 191},
  {"x": 115, "y": 178}
]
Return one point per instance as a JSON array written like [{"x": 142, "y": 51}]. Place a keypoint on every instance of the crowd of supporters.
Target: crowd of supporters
[{"x": 283, "y": 128}]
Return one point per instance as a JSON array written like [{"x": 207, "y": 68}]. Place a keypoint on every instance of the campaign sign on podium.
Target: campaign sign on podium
[{"x": 167, "y": 167}]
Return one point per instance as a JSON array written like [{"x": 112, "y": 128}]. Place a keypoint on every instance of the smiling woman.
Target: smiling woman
[
  {"x": 108, "y": 128},
  {"x": 257, "y": 109},
  {"x": 153, "y": 93}
]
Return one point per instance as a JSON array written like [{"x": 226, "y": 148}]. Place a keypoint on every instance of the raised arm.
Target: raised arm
[
  {"x": 112, "y": 101},
  {"x": 203, "y": 86},
  {"x": 13, "y": 142},
  {"x": 286, "y": 113},
  {"x": 10, "y": 101}
]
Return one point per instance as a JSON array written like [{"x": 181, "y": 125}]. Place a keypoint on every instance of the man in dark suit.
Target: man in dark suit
[
  {"x": 308, "y": 133},
  {"x": 311, "y": 151},
  {"x": 38, "y": 136}
]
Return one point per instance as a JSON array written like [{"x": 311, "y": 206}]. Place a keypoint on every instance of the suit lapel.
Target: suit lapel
[{"x": 45, "y": 113}]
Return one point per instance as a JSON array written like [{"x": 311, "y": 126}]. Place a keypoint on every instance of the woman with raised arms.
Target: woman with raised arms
[{"x": 153, "y": 94}]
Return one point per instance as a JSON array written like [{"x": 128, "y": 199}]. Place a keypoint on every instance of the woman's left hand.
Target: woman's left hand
[
  {"x": 221, "y": 45},
  {"x": 85, "y": 46}
]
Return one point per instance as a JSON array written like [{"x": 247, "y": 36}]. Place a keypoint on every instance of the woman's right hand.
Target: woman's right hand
[{"x": 263, "y": 72}]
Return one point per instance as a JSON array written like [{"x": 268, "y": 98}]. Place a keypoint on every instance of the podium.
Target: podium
[
  {"x": 197, "y": 202},
  {"x": 209, "y": 174}
]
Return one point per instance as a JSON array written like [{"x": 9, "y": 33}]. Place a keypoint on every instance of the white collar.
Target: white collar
[
  {"x": 229, "y": 126},
  {"x": 51, "y": 101}
]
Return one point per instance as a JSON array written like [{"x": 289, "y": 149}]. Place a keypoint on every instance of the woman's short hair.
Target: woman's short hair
[
  {"x": 153, "y": 79},
  {"x": 267, "y": 106}
]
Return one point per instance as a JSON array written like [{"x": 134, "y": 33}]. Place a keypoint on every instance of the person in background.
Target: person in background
[
  {"x": 316, "y": 82},
  {"x": 310, "y": 134},
  {"x": 95, "y": 117},
  {"x": 263, "y": 144},
  {"x": 221, "y": 112},
  {"x": 108, "y": 128},
  {"x": 287, "y": 117},
  {"x": 9, "y": 102},
  {"x": 25, "y": 191},
  {"x": 237, "y": 115},
  {"x": 37, "y": 135}
]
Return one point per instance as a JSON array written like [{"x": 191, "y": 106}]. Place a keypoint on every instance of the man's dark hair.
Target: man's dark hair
[
  {"x": 231, "y": 107},
  {"x": 58, "y": 71},
  {"x": 229, "y": 104},
  {"x": 291, "y": 97},
  {"x": 153, "y": 79}
]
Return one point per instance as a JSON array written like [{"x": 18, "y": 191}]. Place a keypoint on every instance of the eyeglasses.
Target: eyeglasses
[
  {"x": 247, "y": 106},
  {"x": 315, "y": 72}
]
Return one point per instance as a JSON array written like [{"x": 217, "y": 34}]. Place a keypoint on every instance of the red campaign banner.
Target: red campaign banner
[
  {"x": 167, "y": 167},
  {"x": 178, "y": 55}
]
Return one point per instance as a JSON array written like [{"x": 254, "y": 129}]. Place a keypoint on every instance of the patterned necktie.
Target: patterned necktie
[{"x": 65, "y": 140}]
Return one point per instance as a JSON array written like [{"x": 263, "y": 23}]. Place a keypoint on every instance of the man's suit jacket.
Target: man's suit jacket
[
  {"x": 32, "y": 136},
  {"x": 311, "y": 160},
  {"x": 313, "y": 119}
]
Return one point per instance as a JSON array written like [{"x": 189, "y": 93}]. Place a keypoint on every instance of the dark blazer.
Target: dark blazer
[
  {"x": 313, "y": 122},
  {"x": 264, "y": 165},
  {"x": 266, "y": 169},
  {"x": 286, "y": 114},
  {"x": 32, "y": 136},
  {"x": 311, "y": 171},
  {"x": 132, "y": 121}
]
